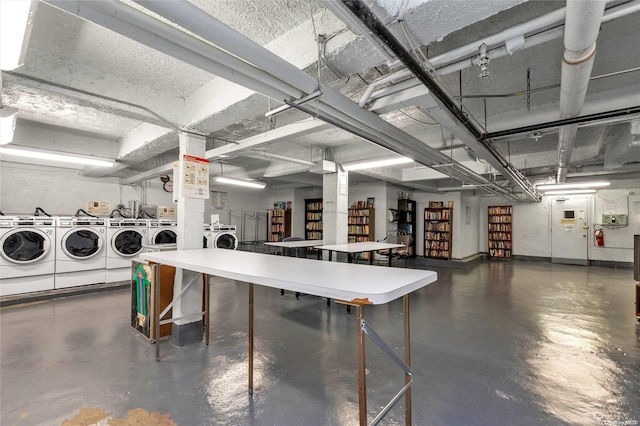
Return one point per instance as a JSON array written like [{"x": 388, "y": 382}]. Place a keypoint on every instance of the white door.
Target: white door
[{"x": 569, "y": 230}]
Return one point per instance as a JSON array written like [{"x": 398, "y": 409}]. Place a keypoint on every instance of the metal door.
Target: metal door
[
  {"x": 165, "y": 236},
  {"x": 127, "y": 242},
  {"x": 25, "y": 245},
  {"x": 82, "y": 243},
  {"x": 569, "y": 230}
]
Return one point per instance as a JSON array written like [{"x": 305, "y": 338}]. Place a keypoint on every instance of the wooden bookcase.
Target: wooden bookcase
[
  {"x": 279, "y": 224},
  {"x": 438, "y": 230},
  {"x": 407, "y": 222},
  {"x": 313, "y": 219},
  {"x": 500, "y": 232},
  {"x": 361, "y": 226}
]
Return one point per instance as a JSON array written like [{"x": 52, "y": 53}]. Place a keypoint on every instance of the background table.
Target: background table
[
  {"x": 295, "y": 244},
  {"x": 363, "y": 247}
]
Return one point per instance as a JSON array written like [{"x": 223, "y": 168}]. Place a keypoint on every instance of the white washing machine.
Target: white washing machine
[
  {"x": 163, "y": 231},
  {"x": 207, "y": 237},
  {"x": 27, "y": 254},
  {"x": 80, "y": 251},
  {"x": 224, "y": 237},
  {"x": 125, "y": 238}
]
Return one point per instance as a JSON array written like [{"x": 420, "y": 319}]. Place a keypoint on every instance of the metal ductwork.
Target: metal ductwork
[{"x": 581, "y": 30}]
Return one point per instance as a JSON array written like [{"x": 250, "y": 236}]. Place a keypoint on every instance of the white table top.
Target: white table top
[
  {"x": 360, "y": 247},
  {"x": 295, "y": 244},
  {"x": 344, "y": 281}
]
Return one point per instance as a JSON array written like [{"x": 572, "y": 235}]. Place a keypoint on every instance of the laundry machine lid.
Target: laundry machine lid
[
  {"x": 82, "y": 243},
  {"x": 164, "y": 236},
  {"x": 127, "y": 242},
  {"x": 25, "y": 245},
  {"x": 226, "y": 240}
]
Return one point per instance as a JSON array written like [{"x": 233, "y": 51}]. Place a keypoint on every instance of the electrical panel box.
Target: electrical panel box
[{"x": 614, "y": 219}]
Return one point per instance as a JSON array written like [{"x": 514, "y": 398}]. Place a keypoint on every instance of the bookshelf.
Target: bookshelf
[
  {"x": 361, "y": 225},
  {"x": 500, "y": 232},
  {"x": 407, "y": 222},
  {"x": 313, "y": 219},
  {"x": 279, "y": 224},
  {"x": 438, "y": 230}
]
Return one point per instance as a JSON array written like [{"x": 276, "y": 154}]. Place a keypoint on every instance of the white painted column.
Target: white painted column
[
  {"x": 190, "y": 221},
  {"x": 335, "y": 193}
]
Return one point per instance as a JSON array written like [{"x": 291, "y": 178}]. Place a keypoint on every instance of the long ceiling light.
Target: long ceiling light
[
  {"x": 583, "y": 185},
  {"x": 16, "y": 21},
  {"x": 376, "y": 163},
  {"x": 571, "y": 191},
  {"x": 7, "y": 124},
  {"x": 56, "y": 156},
  {"x": 240, "y": 182}
]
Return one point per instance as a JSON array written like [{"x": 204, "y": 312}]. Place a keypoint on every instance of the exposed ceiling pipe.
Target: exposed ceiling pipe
[
  {"x": 438, "y": 62},
  {"x": 581, "y": 31},
  {"x": 448, "y": 106},
  {"x": 263, "y": 154}
]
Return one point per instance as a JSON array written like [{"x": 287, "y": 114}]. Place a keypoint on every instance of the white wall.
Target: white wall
[
  {"x": 469, "y": 225},
  {"x": 246, "y": 209}
]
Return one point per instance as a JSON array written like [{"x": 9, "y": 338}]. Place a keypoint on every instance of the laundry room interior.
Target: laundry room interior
[{"x": 167, "y": 168}]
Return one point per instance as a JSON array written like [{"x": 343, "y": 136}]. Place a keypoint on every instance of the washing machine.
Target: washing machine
[
  {"x": 207, "y": 237},
  {"x": 224, "y": 237},
  {"x": 27, "y": 254},
  {"x": 125, "y": 238},
  {"x": 80, "y": 251},
  {"x": 163, "y": 231}
]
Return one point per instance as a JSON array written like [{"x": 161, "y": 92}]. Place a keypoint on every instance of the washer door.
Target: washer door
[
  {"x": 25, "y": 245},
  {"x": 82, "y": 243},
  {"x": 165, "y": 236},
  {"x": 127, "y": 242},
  {"x": 226, "y": 241}
]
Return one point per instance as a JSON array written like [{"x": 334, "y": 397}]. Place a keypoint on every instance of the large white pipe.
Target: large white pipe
[{"x": 581, "y": 31}]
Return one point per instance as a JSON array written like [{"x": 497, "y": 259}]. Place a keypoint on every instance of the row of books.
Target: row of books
[
  {"x": 500, "y": 210},
  {"x": 274, "y": 238},
  {"x": 314, "y": 226},
  {"x": 438, "y": 236},
  {"x": 362, "y": 204},
  {"x": 499, "y": 219},
  {"x": 358, "y": 239},
  {"x": 439, "y": 253},
  {"x": 499, "y": 228},
  {"x": 314, "y": 216},
  {"x": 437, "y": 215},
  {"x": 312, "y": 235},
  {"x": 500, "y": 244},
  {"x": 436, "y": 245},
  {"x": 503, "y": 236},
  {"x": 358, "y": 229},
  {"x": 358, "y": 212},
  {"x": 440, "y": 227},
  {"x": 499, "y": 253},
  {"x": 277, "y": 228},
  {"x": 358, "y": 220},
  {"x": 277, "y": 219},
  {"x": 314, "y": 206},
  {"x": 277, "y": 212}
]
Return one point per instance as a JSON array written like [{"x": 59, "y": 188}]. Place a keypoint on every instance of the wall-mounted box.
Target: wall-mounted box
[{"x": 614, "y": 219}]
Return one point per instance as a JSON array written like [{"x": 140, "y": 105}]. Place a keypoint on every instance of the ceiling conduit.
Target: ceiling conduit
[
  {"x": 581, "y": 31},
  {"x": 492, "y": 155}
]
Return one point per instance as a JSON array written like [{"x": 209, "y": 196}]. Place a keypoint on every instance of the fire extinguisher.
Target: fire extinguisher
[{"x": 599, "y": 235}]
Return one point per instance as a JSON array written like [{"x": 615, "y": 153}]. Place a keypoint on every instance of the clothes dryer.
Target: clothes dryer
[
  {"x": 80, "y": 251},
  {"x": 224, "y": 237},
  {"x": 125, "y": 238},
  {"x": 27, "y": 254},
  {"x": 163, "y": 231},
  {"x": 207, "y": 237}
]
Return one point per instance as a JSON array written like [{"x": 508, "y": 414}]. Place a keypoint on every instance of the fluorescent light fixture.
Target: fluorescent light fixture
[
  {"x": 376, "y": 163},
  {"x": 583, "y": 185},
  {"x": 16, "y": 21},
  {"x": 57, "y": 156},
  {"x": 571, "y": 191},
  {"x": 7, "y": 124},
  {"x": 240, "y": 182}
]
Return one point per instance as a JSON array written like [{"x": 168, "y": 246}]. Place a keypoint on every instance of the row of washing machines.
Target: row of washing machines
[{"x": 44, "y": 253}]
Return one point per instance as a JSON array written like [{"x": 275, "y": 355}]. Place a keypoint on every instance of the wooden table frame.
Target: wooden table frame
[{"x": 411, "y": 279}]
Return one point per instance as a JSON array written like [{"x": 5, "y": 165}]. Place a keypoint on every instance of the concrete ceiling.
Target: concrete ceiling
[{"x": 86, "y": 89}]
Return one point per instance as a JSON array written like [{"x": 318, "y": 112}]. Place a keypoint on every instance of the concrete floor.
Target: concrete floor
[{"x": 503, "y": 343}]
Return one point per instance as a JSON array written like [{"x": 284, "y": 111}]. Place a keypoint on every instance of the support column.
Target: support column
[
  {"x": 190, "y": 221},
  {"x": 335, "y": 194}
]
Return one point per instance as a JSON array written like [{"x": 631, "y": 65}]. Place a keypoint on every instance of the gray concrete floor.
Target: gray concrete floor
[{"x": 506, "y": 343}]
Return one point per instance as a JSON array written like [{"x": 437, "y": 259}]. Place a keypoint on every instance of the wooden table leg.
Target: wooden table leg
[
  {"x": 407, "y": 355},
  {"x": 362, "y": 377},
  {"x": 250, "y": 339},
  {"x": 207, "y": 295}
]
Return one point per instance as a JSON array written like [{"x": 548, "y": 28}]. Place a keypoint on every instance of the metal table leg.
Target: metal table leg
[
  {"x": 156, "y": 310},
  {"x": 407, "y": 358},
  {"x": 362, "y": 365},
  {"x": 250, "y": 339},
  {"x": 207, "y": 295}
]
